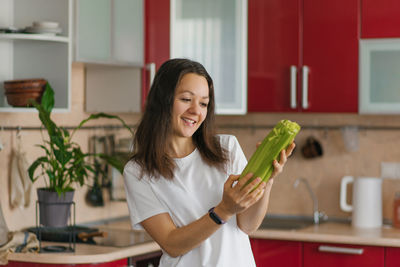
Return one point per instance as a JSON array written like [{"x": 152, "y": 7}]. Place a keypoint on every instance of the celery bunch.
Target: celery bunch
[{"x": 260, "y": 163}]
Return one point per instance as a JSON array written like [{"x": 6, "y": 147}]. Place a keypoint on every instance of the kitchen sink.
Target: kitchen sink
[{"x": 287, "y": 222}]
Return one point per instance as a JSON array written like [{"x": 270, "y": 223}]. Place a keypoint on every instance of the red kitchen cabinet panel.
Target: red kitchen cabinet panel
[
  {"x": 392, "y": 257},
  {"x": 334, "y": 255},
  {"x": 273, "y": 46},
  {"x": 319, "y": 36},
  {"x": 380, "y": 19},
  {"x": 157, "y": 40},
  {"x": 276, "y": 253},
  {"x": 330, "y": 50}
]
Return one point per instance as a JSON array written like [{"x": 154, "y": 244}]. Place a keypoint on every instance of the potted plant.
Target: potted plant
[{"x": 63, "y": 165}]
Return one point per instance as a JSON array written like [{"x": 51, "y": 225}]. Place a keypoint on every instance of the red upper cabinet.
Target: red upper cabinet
[
  {"x": 157, "y": 39},
  {"x": 330, "y": 50},
  {"x": 380, "y": 19},
  {"x": 273, "y": 46},
  {"x": 303, "y": 56}
]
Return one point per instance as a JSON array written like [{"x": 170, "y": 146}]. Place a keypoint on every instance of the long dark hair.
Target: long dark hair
[{"x": 150, "y": 140}]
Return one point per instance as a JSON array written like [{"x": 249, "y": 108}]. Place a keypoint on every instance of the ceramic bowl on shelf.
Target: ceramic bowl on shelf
[
  {"x": 19, "y": 92},
  {"x": 46, "y": 24},
  {"x": 44, "y": 27}
]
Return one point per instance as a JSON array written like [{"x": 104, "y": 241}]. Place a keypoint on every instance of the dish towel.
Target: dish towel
[
  {"x": 3, "y": 228},
  {"x": 21, "y": 185},
  {"x": 20, "y": 242}
]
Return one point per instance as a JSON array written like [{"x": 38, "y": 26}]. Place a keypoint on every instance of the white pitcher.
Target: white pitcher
[{"x": 367, "y": 201}]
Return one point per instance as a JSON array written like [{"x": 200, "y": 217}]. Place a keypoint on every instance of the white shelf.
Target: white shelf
[{"x": 33, "y": 36}]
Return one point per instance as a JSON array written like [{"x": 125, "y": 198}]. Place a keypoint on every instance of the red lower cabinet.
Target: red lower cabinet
[
  {"x": 276, "y": 253},
  {"x": 335, "y": 255},
  {"x": 392, "y": 257}
]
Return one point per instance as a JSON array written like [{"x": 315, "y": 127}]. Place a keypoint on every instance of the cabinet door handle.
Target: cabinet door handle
[
  {"x": 151, "y": 67},
  {"x": 293, "y": 86},
  {"x": 341, "y": 250},
  {"x": 305, "y": 71}
]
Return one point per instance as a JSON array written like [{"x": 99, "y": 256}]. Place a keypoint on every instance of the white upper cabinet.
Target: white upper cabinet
[
  {"x": 110, "y": 32},
  {"x": 26, "y": 55},
  {"x": 214, "y": 33},
  {"x": 379, "y": 76},
  {"x": 109, "y": 39}
]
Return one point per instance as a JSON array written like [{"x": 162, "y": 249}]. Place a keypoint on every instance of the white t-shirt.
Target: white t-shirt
[{"x": 195, "y": 188}]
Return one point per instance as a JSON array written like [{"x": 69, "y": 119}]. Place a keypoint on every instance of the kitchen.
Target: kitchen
[{"x": 373, "y": 135}]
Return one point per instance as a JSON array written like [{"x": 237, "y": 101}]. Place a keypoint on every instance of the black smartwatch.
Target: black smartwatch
[{"x": 215, "y": 217}]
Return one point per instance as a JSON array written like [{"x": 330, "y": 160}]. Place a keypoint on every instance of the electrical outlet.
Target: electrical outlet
[{"x": 390, "y": 170}]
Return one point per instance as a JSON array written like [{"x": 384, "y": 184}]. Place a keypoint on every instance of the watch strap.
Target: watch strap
[{"x": 215, "y": 217}]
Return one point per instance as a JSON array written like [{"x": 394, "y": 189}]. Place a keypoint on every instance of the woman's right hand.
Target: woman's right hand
[{"x": 237, "y": 198}]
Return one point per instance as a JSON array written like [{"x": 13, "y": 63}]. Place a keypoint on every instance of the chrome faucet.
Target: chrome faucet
[{"x": 316, "y": 213}]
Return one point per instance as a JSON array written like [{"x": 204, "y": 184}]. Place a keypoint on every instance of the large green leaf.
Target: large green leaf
[
  {"x": 44, "y": 117},
  {"x": 62, "y": 156},
  {"x": 65, "y": 131},
  {"x": 57, "y": 139},
  {"x": 52, "y": 178},
  {"x": 47, "y": 101},
  {"x": 34, "y": 165},
  {"x": 101, "y": 115}
]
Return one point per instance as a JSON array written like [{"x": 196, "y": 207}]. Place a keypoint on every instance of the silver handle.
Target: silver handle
[
  {"x": 341, "y": 250},
  {"x": 306, "y": 71},
  {"x": 293, "y": 85},
  {"x": 151, "y": 67}
]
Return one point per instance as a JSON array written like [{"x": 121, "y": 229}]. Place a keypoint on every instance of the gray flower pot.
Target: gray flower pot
[{"x": 54, "y": 210}]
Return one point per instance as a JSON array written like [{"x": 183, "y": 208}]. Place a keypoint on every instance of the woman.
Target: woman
[{"x": 182, "y": 182}]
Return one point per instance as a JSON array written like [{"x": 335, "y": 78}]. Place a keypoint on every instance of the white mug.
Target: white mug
[{"x": 366, "y": 207}]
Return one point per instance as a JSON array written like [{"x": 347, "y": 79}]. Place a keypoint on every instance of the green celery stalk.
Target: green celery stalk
[{"x": 260, "y": 163}]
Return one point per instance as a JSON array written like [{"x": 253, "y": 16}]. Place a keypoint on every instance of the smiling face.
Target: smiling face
[{"x": 190, "y": 105}]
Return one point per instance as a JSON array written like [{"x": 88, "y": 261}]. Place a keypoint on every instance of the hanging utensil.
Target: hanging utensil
[
  {"x": 94, "y": 196},
  {"x": 312, "y": 148}
]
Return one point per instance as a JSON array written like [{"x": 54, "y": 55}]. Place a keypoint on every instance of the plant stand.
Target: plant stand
[{"x": 71, "y": 233}]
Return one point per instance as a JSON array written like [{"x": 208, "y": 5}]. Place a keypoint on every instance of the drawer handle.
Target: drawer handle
[{"x": 342, "y": 250}]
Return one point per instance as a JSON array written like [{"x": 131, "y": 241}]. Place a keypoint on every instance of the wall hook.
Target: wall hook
[{"x": 19, "y": 129}]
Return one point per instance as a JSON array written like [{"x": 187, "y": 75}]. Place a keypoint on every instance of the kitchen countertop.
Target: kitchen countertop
[
  {"x": 328, "y": 232},
  {"x": 85, "y": 253},
  {"x": 342, "y": 233},
  {"x": 89, "y": 253}
]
